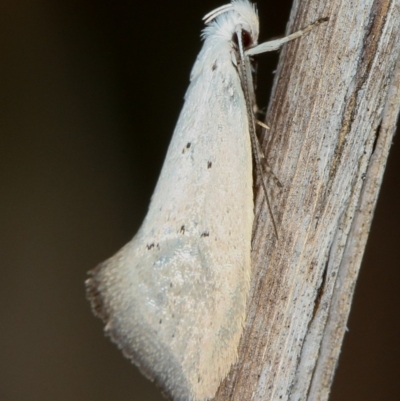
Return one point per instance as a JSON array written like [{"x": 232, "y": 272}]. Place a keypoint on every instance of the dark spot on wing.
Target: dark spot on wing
[
  {"x": 160, "y": 321},
  {"x": 150, "y": 246},
  {"x": 214, "y": 66},
  {"x": 209, "y": 164},
  {"x": 188, "y": 145},
  {"x": 205, "y": 234},
  {"x": 182, "y": 230}
]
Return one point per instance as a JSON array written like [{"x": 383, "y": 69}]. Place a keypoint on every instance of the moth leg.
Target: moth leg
[
  {"x": 267, "y": 169},
  {"x": 277, "y": 43},
  {"x": 261, "y": 124},
  {"x": 270, "y": 173}
]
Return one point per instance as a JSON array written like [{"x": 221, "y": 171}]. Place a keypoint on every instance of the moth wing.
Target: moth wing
[{"x": 174, "y": 298}]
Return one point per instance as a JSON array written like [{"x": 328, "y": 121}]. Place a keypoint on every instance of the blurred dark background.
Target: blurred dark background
[{"x": 90, "y": 93}]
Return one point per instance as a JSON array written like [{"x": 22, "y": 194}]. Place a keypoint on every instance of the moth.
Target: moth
[{"x": 174, "y": 298}]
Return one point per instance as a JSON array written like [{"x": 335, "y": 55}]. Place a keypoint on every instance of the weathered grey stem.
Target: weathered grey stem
[{"x": 333, "y": 115}]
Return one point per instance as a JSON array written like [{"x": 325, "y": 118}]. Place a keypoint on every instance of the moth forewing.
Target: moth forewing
[{"x": 174, "y": 298}]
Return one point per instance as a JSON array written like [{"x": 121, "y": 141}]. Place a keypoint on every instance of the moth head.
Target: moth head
[
  {"x": 247, "y": 22},
  {"x": 246, "y": 38},
  {"x": 239, "y": 16}
]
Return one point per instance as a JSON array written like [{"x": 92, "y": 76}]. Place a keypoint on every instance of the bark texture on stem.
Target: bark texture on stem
[{"x": 333, "y": 114}]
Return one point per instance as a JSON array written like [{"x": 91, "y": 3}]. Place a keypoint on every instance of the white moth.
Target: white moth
[{"x": 174, "y": 298}]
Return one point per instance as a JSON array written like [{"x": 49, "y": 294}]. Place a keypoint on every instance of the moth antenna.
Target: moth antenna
[{"x": 245, "y": 74}]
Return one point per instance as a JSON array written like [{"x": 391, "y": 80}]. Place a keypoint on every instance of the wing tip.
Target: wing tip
[{"x": 94, "y": 295}]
